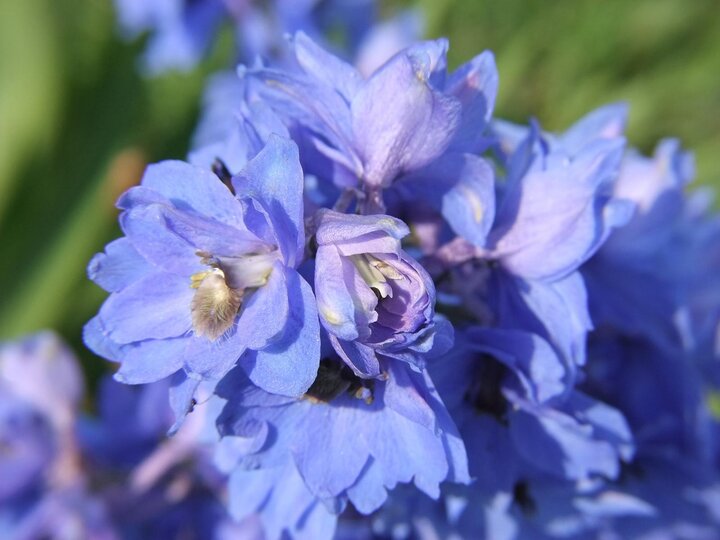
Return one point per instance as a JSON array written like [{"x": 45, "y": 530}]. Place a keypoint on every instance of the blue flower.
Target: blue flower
[
  {"x": 373, "y": 298},
  {"x": 182, "y": 30},
  {"x": 648, "y": 263},
  {"x": 660, "y": 392},
  {"x": 349, "y": 439},
  {"x": 29, "y": 446},
  {"x": 555, "y": 209},
  {"x": 129, "y": 423},
  {"x": 365, "y": 134},
  {"x": 42, "y": 493},
  {"x": 206, "y": 276},
  {"x": 506, "y": 392}
]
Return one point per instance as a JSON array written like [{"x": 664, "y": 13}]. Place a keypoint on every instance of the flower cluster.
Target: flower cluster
[
  {"x": 181, "y": 32},
  {"x": 67, "y": 475},
  {"x": 365, "y": 307}
]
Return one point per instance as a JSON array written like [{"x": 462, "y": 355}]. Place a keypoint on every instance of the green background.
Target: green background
[{"x": 78, "y": 123}]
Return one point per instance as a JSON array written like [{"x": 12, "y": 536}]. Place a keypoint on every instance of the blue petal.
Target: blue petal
[
  {"x": 213, "y": 359},
  {"x": 151, "y": 360},
  {"x": 346, "y": 452},
  {"x": 266, "y": 312},
  {"x": 335, "y": 227},
  {"x": 368, "y": 494},
  {"x": 402, "y": 396},
  {"x": 182, "y": 392},
  {"x": 95, "y": 337},
  {"x": 150, "y": 236},
  {"x": 475, "y": 84},
  {"x": 555, "y": 311},
  {"x": 607, "y": 122},
  {"x": 317, "y": 107},
  {"x": 359, "y": 357},
  {"x": 325, "y": 67},
  {"x": 421, "y": 456},
  {"x": 189, "y": 187},
  {"x": 528, "y": 355},
  {"x": 118, "y": 267},
  {"x": 274, "y": 177},
  {"x": 570, "y": 445},
  {"x": 334, "y": 299},
  {"x": 248, "y": 491},
  {"x": 553, "y": 220},
  {"x": 400, "y": 122},
  {"x": 289, "y": 365},
  {"x": 157, "y": 306},
  {"x": 462, "y": 187}
]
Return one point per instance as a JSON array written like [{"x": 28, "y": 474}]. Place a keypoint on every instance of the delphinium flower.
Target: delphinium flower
[
  {"x": 663, "y": 504},
  {"x": 374, "y": 299},
  {"x": 224, "y": 96},
  {"x": 43, "y": 492},
  {"x": 642, "y": 361},
  {"x": 247, "y": 324},
  {"x": 293, "y": 290},
  {"x": 348, "y": 439},
  {"x": 555, "y": 208},
  {"x": 206, "y": 276},
  {"x": 153, "y": 486},
  {"x": 182, "y": 31},
  {"x": 511, "y": 388},
  {"x": 507, "y": 394},
  {"x": 69, "y": 476},
  {"x": 409, "y": 122},
  {"x": 654, "y": 327}
]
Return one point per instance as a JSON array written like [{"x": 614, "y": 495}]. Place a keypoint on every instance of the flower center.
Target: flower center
[
  {"x": 222, "y": 288},
  {"x": 376, "y": 274},
  {"x": 214, "y": 305},
  {"x": 333, "y": 379},
  {"x": 485, "y": 393}
]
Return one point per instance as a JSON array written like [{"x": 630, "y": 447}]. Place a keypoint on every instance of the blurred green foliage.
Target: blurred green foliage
[{"x": 78, "y": 123}]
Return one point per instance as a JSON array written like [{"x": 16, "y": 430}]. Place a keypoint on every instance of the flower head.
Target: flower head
[
  {"x": 205, "y": 274},
  {"x": 350, "y": 439},
  {"x": 399, "y": 119},
  {"x": 373, "y": 298}
]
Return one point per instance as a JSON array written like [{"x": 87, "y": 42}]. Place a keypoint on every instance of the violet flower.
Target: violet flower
[
  {"x": 206, "y": 276},
  {"x": 373, "y": 298}
]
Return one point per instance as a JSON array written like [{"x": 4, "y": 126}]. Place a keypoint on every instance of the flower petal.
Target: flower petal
[
  {"x": 157, "y": 306},
  {"x": 189, "y": 187},
  {"x": 151, "y": 360},
  {"x": 289, "y": 365},
  {"x": 265, "y": 313},
  {"x": 118, "y": 267},
  {"x": 274, "y": 177},
  {"x": 399, "y": 121}
]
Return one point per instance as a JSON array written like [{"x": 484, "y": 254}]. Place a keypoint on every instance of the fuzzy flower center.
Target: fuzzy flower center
[{"x": 221, "y": 289}]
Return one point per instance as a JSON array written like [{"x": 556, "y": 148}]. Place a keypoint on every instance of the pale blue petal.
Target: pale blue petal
[
  {"x": 288, "y": 366},
  {"x": 152, "y": 360},
  {"x": 189, "y": 187},
  {"x": 274, "y": 177},
  {"x": 264, "y": 314},
  {"x": 400, "y": 122},
  {"x": 157, "y": 306},
  {"x": 118, "y": 267}
]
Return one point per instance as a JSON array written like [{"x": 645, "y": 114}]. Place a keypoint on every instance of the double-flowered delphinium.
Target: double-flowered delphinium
[
  {"x": 207, "y": 288},
  {"x": 362, "y": 279},
  {"x": 206, "y": 272},
  {"x": 374, "y": 299}
]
